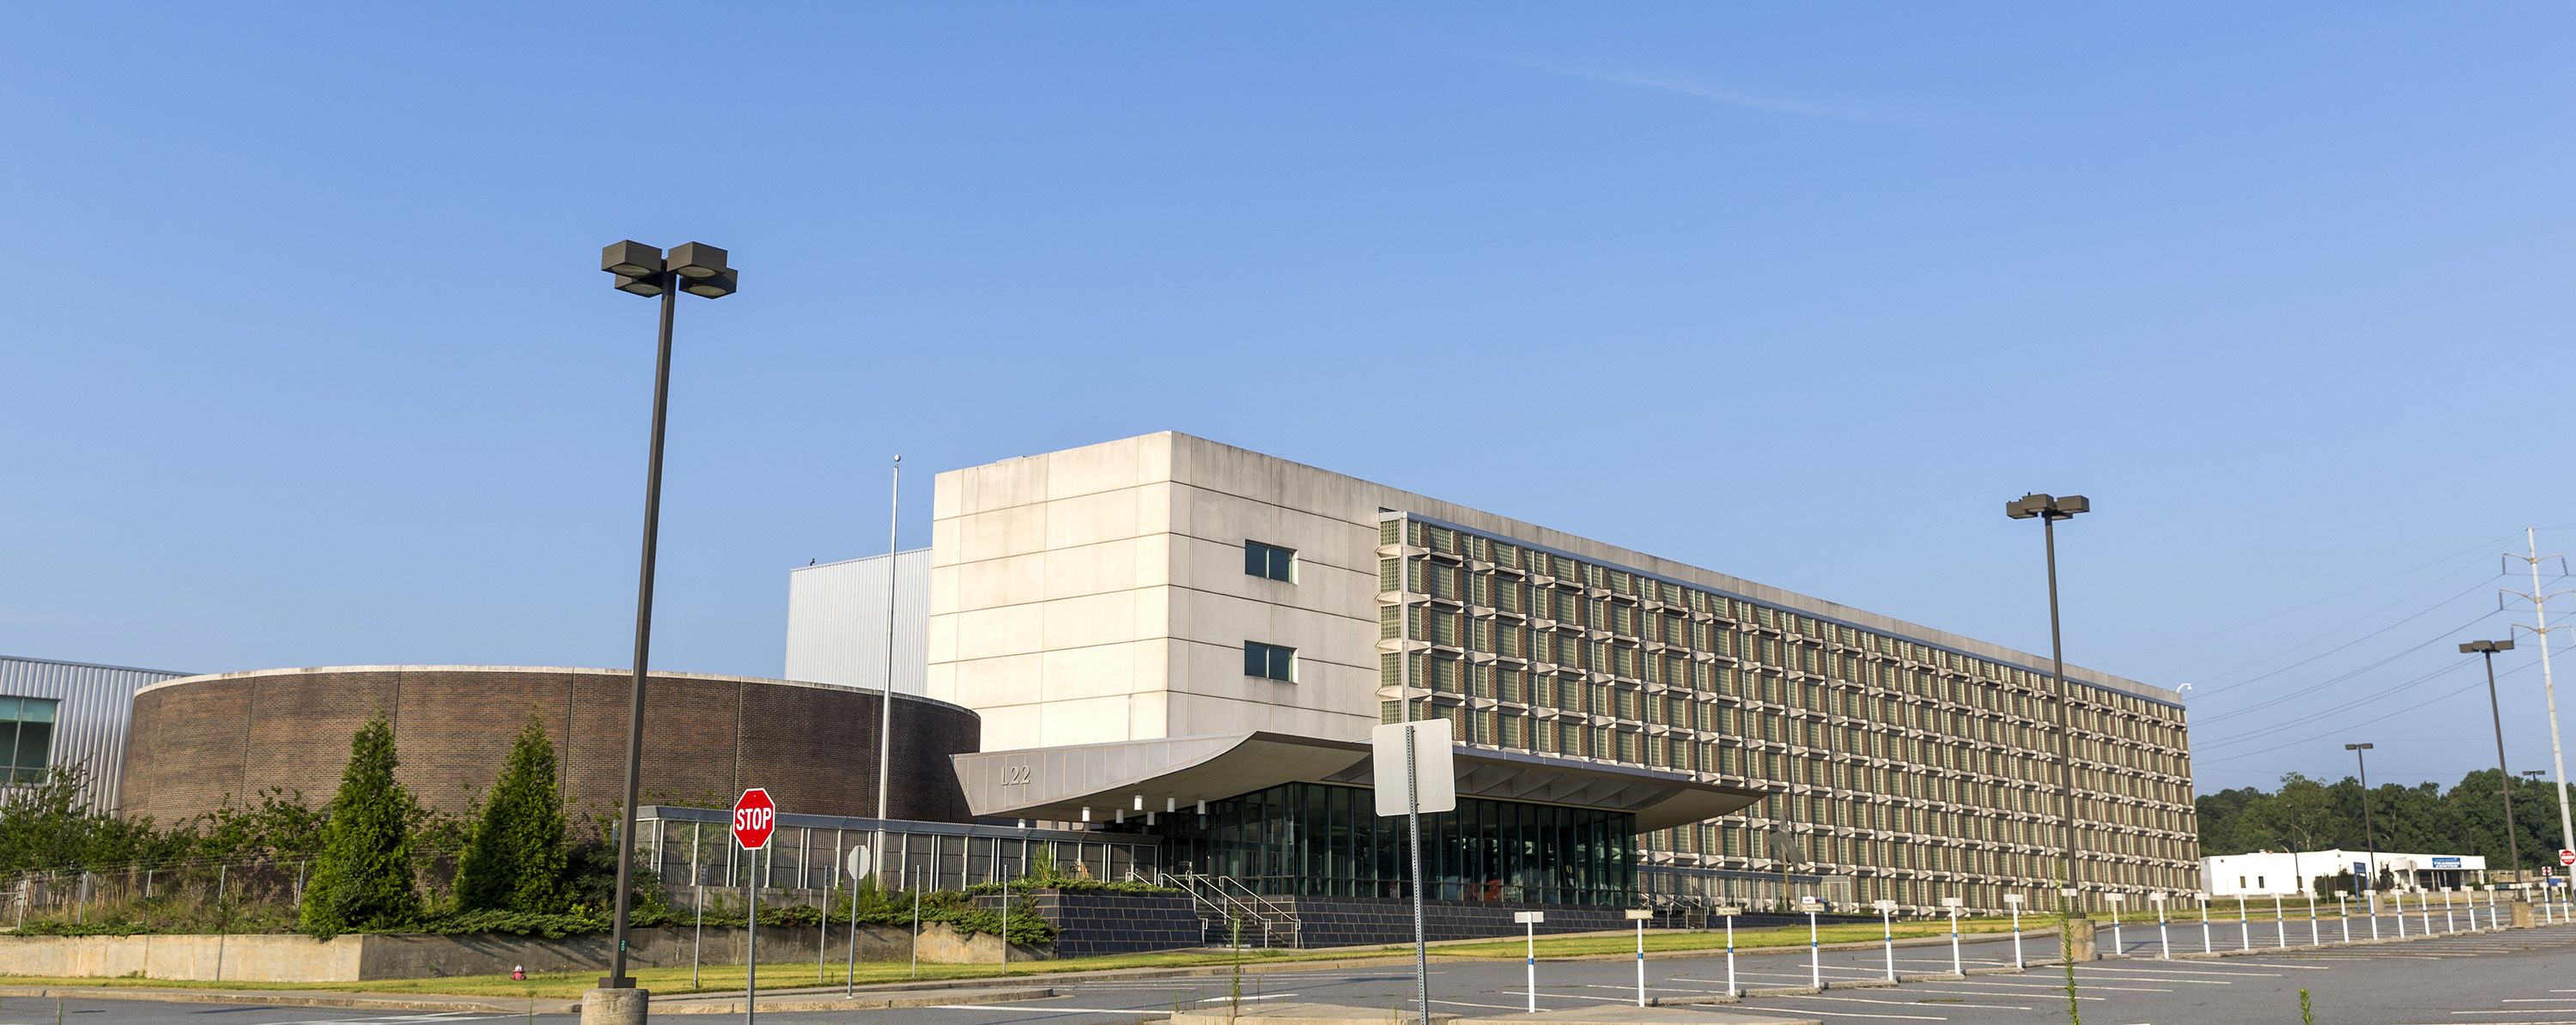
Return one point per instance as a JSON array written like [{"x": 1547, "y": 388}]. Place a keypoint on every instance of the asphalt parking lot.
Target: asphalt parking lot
[{"x": 2522, "y": 977}]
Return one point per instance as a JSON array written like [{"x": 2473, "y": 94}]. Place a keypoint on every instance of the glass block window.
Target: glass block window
[
  {"x": 1270, "y": 561},
  {"x": 27, "y": 738},
  {"x": 1269, "y": 661}
]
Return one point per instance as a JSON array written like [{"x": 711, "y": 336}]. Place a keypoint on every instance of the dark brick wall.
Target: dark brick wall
[
  {"x": 1092, "y": 922},
  {"x": 705, "y": 738}
]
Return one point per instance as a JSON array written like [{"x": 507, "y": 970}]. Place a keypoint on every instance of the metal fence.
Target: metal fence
[
  {"x": 202, "y": 893},
  {"x": 809, "y": 856}
]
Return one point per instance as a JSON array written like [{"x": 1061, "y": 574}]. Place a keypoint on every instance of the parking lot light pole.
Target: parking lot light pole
[
  {"x": 2048, "y": 509},
  {"x": 2370, "y": 885},
  {"x": 2512, "y": 843},
  {"x": 643, "y": 270}
]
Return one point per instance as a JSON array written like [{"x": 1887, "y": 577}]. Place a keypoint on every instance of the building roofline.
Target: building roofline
[
  {"x": 581, "y": 670},
  {"x": 92, "y": 665},
  {"x": 863, "y": 558}
]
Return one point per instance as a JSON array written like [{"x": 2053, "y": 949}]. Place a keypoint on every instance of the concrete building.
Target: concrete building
[
  {"x": 1182, "y": 598},
  {"x": 66, "y": 715},
  {"x": 2291, "y": 873}
]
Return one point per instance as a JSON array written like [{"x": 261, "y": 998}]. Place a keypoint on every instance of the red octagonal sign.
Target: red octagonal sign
[{"x": 754, "y": 818}]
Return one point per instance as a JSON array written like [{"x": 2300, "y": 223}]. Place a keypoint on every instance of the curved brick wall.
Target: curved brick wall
[{"x": 199, "y": 738}]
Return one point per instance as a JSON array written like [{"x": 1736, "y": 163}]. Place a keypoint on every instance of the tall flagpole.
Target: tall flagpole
[{"x": 885, "y": 731}]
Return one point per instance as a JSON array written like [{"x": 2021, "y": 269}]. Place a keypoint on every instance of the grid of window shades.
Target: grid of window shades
[
  {"x": 1922, "y": 772},
  {"x": 1269, "y": 661},
  {"x": 1314, "y": 839},
  {"x": 26, "y": 737}
]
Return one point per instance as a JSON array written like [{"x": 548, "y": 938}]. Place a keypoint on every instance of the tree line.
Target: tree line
[{"x": 2307, "y": 815}]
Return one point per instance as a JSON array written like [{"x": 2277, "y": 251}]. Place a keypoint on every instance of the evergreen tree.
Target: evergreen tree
[
  {"x": 516, "y": 860},
  {"x": 363, "y": 877}
]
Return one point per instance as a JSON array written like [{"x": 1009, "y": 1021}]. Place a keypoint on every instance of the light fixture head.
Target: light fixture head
[
  {"x": 2027, "y": 506},
  {"x": 697, "y": 260},
  {"x": 647, "y": 286},
  {"x": 631, "y": 259},
  {"x": 716, "y": 286},
  {"x": 2072, "y": 504},
  {"x": 2356, "y": 747}
]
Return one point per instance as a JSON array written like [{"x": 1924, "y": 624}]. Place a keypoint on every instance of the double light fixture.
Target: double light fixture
[{"x": 695, "y": 268}]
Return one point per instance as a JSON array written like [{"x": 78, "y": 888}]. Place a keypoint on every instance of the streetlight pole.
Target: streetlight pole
[
  {"x": 643, "y": 270},
  {"x": 2367, "y": 835},
  {"x": 2049, "y": 509},
  {"x": 2512, "y": 843}
]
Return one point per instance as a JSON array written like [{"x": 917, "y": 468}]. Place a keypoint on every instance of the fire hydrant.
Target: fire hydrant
[{"x": 519, "y": 973}]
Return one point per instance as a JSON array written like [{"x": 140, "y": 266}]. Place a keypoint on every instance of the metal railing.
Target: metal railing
[{"x": 1222, "y": 901}]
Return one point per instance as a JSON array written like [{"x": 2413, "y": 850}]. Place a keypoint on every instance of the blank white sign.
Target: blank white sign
[{"x": 1435, "y": 775}]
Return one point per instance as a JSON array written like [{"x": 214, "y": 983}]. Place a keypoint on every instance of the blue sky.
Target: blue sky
[{"x": 308, "y": 362}]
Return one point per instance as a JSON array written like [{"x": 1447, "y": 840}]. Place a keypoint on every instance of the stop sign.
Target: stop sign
[{"x": 754, "y": 818}]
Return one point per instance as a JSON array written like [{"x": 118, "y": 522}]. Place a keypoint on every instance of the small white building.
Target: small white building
[{"x": 2291, "y": 873}]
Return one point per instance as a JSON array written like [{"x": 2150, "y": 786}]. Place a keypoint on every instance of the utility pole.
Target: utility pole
[{"x": 2540, "y": 626}]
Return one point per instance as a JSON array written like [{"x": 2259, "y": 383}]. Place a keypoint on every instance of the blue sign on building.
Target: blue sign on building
[{"x": 2442, "y": 862}]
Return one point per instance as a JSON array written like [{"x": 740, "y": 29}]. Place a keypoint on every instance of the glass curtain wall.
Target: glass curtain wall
[{"x": 1312, "y": 839}]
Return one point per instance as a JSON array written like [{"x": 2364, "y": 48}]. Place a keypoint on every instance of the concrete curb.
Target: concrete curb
[
  {"x": 702, "y": 1005},
  {"x": 295, "y": 998}
]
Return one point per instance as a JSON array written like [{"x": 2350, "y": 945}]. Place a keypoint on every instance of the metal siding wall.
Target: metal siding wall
[
  {"x": 97, "y": 704},
  {"x": 836, "y": 622}
]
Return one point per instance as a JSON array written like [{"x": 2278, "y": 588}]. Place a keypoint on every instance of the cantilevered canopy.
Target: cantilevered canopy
[{"x": 1098, "y": 782}]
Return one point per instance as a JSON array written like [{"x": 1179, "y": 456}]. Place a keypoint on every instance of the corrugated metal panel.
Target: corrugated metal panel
[
  {"x": 97, "y": 704},
  {"x": 836, "y": 622}
]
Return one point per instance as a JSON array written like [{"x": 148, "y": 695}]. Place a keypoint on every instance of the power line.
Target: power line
[
  {"x": 2436, "y": 607},
  {"x": 2310, "y": 605},
  {"x": 2332, "y": 680},
  {"x": 2310, "y": 740}
]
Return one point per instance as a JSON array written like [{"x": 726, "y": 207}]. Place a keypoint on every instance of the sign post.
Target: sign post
[
  {"x": 861, "y": 862},
  {"x": 1815, "y": 953},
  {"x": 1532, "y": 919},
  {"x": 1429, "y": 782},
  {"x": 2013, "y": 900},
  {"x": 1887, "y": 924},
  {"x": 2117, "y": 947},
  {"x": 1639, "y": 916},
  {"x": 1953, "y": 903},
  {"x": 754, "y": 819},
  {"x": 2164, "y": 937},
  {"x": 1729, "y": 914}
]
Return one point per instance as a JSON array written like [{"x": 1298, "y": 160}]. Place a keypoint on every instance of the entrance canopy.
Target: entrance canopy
[{"x": 1106, "y": 782}]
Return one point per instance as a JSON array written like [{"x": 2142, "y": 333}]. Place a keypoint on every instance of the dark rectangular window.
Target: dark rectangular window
[
  {"x": 1270, "y": 561},
  {"x": 26, "y": 739},
  {"x": 1269, "y": 661}
]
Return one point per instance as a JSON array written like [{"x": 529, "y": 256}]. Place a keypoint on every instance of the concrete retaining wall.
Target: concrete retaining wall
[{"x": 357, "y": 958}]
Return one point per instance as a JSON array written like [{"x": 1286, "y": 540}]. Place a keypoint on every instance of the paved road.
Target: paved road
[{"x": 2525, "y": 977}]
